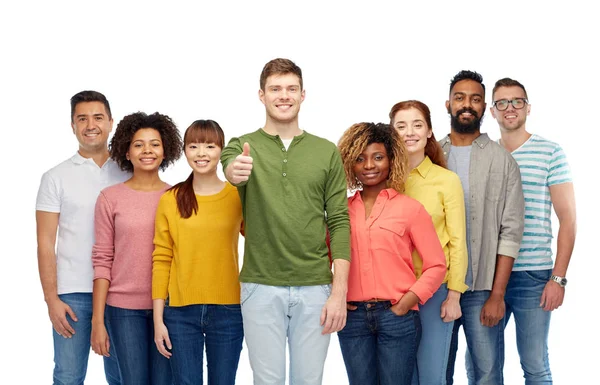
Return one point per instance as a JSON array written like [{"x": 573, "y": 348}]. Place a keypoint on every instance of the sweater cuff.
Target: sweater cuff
[{"x": 102, "y": 272}]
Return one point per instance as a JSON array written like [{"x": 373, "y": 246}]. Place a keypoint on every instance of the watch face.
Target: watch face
[{"x": 563, "y": 281}]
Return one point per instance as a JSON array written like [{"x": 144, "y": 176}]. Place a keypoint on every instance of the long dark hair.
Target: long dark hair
[{"x": 201, "y": 131}]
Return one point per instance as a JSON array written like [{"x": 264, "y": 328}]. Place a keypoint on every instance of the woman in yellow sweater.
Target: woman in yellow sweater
[
  {"x": 440, "y": 191},
  {"x": 195, "y": 267}
]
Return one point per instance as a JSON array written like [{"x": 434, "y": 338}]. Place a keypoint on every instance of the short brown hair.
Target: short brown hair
[
  {"x": 279, "y": 66},
  {"x": 508, "y": 82},
  {"x": 432, "y": 149}
]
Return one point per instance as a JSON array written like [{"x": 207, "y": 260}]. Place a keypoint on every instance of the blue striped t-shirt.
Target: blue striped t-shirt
[{"x": 542, "y": 164}]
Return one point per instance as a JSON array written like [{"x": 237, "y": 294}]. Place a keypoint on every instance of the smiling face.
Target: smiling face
[
  {"x": 91, "y": 125},
  {"x": 372, "y": 167},
  {"x": 282, "y": 97},
  {"x": 466, "y": 106},
  {"x": 203, "y": 158},
  {"x": 413, "y": 129},
  {"x": 146, "y": 151},
  {"x": 511, "y": 119}
]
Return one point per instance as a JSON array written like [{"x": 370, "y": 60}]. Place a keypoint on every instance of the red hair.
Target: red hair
[{"x": 432, "y": 149}]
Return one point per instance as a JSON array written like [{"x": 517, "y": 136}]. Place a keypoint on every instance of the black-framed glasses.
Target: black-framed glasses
[{"x": 517, "y": 103}]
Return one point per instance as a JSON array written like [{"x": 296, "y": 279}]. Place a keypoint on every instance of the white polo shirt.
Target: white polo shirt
[{"x": 71, "y": 189}]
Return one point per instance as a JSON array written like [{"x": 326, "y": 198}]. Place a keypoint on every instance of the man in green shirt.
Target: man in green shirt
[{"x": 293, "y": 190}]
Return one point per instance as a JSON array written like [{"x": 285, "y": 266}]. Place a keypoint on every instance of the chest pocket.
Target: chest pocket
[
  {"x": 389, "y": 236},
  {"x": 495, "y": 186}
]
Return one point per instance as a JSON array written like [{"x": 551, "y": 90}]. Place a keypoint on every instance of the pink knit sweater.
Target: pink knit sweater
[{"x": 122, "y": 254}]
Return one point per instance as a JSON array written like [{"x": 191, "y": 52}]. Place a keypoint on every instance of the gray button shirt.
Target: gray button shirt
[{"x": 496, "y": 208}]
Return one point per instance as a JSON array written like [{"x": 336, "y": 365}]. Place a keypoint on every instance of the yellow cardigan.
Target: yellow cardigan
[
  {"x": 195, "y": 260},
  {"x": 440, "y": 192}
]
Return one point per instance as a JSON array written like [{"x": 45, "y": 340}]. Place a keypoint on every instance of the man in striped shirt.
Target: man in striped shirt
[{"x": 536, "y": 285}]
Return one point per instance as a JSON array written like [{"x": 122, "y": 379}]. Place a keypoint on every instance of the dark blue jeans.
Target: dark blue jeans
[
  {"x": 131, "y": 333},
  {"x": 71, "y": 354},
  {"x": 191, "y": 327},
  {"x": 379, "y": 347}
]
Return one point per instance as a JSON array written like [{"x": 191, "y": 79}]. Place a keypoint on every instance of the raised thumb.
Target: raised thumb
[{"x": 246, "y": 151}]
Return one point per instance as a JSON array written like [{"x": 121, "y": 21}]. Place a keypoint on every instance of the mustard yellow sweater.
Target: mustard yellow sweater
[{"x": 195, "y": 260}]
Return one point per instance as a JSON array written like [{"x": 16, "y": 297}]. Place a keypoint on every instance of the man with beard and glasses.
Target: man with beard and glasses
[
  {"x": 65, "y": 202},
  {"x": 537, "y": 285},
  {"x": 494, "y": 206}
]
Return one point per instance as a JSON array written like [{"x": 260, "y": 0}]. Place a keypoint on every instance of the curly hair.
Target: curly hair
[
  {"x": 432, "y": 149},
  {"x": 354, "y": 141},
  {"x": 130, "y": 124}
]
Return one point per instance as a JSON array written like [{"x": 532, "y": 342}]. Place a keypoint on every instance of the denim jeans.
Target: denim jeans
[
  {"x": 191, "y": 327},
  {"x": 434, "y": 348},
  {"x": 274, "y": 314},
  {"x": 131, "y": 332},
  {"x": 71, "y": 354},
  {"x": 484, "y": 344},
  {"x": 379, "y": 347},
  {"x": 532, "y": 323}
]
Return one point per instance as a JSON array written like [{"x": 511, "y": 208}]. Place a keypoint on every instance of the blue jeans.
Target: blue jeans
[
  {"x": 274, "y": 314},
  {"x": 532, "y": 323},
  {"x": 484, "y": 344},
  {"x": 434, "y": 348},
  {"x": 131, "y": 333},
  {"x": 190, "y": 328},
  {"x": 379, "y": 347},
  {"x": 71, "y": 354}
]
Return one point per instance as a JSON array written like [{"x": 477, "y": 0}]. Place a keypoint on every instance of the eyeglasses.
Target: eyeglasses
[{"x": 517, "y": 103}]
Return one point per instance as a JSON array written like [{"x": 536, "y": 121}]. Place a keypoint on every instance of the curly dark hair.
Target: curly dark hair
[
  {"x": 356, "y": 138},
  {"x": 130, "y": 124}
]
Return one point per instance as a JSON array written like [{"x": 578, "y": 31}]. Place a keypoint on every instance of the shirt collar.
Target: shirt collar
[
  {"x": 481, "y": 141},
  {"x": 78, "y": 159},
  {"x": 389, "y": 193},
  {"x": 424, "y": 167}
]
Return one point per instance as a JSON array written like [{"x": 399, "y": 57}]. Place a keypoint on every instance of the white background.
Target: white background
[{"x": 203, "y": 61}]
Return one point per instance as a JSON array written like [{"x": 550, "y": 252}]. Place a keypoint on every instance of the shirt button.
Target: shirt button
[
  {"x": 285, "y": 161},
  {"x": 284, "y": 174},
  {"x": 282, "y": 148}
]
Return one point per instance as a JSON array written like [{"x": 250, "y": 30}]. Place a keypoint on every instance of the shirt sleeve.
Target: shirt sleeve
[
  {"x": 103, "y": 251},
  {"x": 513, "y": 215},
  {"x": 454, "y": 209},
  {"x": 559, "y": 169},
  {"x": 229, "y": 153},
  {"x": 427, "y": 243},
  {"x": 162, "y": 257},
  {"x": 48, "y": 197},
  {"x": 336, "y": 207}
]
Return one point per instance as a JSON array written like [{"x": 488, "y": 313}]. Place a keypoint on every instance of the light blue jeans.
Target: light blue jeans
[
  {"x": 71, "y": 354},
  {"x": 273, "y": 315},
  {"x": 432, "y": 356},
  {"x": 485, "y": 345},
  {"x": 532, "y": 323}
]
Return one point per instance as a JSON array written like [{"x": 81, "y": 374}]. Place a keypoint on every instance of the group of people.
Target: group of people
[{"x": 434, "y": 236}]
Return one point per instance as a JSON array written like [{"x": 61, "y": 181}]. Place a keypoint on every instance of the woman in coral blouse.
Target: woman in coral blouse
[
  {"x": 379, "y": 343},
  {"x": 195, "y": 266},
  {"x": 122, "y": 254},
  {"x": 440, "y": 191}
]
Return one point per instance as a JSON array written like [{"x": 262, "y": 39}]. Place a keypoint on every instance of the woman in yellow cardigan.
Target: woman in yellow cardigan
[
  {"x": 195, "y": 267},
  {"x": 440, "y": 191}
]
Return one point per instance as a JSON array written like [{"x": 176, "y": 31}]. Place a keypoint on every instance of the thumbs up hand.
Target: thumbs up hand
[{"x": 240, "y": 169}]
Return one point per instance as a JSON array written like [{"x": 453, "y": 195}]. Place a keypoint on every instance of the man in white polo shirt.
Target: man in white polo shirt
[{"x": 65, "y": 201}]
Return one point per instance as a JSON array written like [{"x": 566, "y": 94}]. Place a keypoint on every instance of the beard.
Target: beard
[{"x": 468, "y": 127}]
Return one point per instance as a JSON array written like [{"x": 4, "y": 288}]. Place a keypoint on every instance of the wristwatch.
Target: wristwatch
[{"x": 562, "y": 281}]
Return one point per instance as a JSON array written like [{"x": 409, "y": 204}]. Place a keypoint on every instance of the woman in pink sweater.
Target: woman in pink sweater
[{"x": 122, "y": 255}]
